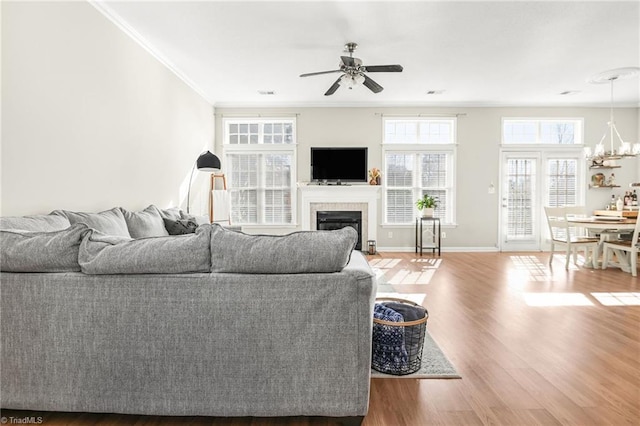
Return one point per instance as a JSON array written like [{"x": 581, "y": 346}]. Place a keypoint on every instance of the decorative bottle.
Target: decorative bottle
[
  {"x": 619, "y": 204},
  {"x": 634, "y": 199},
  {"x": 612, "y": 203}
]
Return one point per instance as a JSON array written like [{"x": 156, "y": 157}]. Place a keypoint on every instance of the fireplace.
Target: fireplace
[
  {"x": 328, "y": 220},
  {"x": 359, "y": 198}
]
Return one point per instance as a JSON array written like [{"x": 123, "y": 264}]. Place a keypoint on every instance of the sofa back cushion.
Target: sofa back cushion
[
  {"x": 145, "y": 223},
  {"x": 106, "y": 254},
  {"x": 56, "y": 251},
  {"x": 295, "y": 253},
  {"x": 38, "y": 223},
  {"x": 109, "y": 222}
]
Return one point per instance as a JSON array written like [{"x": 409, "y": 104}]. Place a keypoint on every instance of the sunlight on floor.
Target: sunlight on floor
[
  {"x": 384, "y": 263},
  {"x": 618, "y": 299},
  {"x": 406, "y": 277},
  {"x": 427, "y": 269},
  {"x": 556, "y": 299},
  {"x": 414, "y": 297},
  {"x": 572, "y": 266},
  {"x": 528, "y": 268},
  {"x": 409, "y": 277},
  {"x": 431, "y": 262}
]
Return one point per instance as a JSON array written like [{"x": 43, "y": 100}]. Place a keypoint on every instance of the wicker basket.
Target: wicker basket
[{"x": 397, "y": 346}]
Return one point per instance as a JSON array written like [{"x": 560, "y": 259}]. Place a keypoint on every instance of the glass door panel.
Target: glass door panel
[{"x": 520, "y": 228}]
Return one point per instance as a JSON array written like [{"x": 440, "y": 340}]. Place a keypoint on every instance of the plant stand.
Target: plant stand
[{"x": 434, "y": 241}]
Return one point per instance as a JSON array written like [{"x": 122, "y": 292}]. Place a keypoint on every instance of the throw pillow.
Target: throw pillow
[
  {"x": 173, "y": 213},
  {"x": 56, "y": 251},
  {"x": 180, "y": 226},
  {"x": 199, "y": 220},
  {"x": 38, "y": 223},
  {"x": 109, "y": 222},
  {"x": 145, "y": 223},
  {"x": 295, "y": 253},
  {"x": 100, "y": 254}
]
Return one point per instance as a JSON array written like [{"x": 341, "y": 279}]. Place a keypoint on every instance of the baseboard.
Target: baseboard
[{"x": 443, "y": 249}]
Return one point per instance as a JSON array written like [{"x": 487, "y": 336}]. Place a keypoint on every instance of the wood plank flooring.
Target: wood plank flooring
[{"x": 533, "y": 344}]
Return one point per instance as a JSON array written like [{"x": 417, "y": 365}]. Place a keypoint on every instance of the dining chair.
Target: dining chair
[
  {"x": 573, "y": 238},
  {"x": 625, "y": 250}
]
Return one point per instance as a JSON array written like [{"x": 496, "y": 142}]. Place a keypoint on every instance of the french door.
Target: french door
[{"x": 531, "y": 180}]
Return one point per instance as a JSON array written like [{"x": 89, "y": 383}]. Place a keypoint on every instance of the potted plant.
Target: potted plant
[{"x": 426, "y": 204}]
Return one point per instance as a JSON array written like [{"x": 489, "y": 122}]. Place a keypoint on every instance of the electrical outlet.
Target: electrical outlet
[
  {"x": 443, "y": 235},
  {"x": 390, "y": 234}
]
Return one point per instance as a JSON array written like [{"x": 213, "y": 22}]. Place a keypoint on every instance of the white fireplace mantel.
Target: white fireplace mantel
[{"x": 335, "y": 197}]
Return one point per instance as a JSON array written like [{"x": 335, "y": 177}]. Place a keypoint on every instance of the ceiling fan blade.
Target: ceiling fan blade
[
  {"x": 383, "y": 68},
  {"x": 372, "y": 85},
  {"x": 333, "y": 88},
  {"x": 319, "y": 73},
  {"x": 348, "y": 61}
]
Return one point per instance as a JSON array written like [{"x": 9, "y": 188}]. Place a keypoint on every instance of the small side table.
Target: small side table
[{"x": 434, "y": 243}]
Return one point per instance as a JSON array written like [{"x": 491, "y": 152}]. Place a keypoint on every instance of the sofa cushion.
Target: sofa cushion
[
  {"x": 145, "y": 223},
  {"x": 100, "y": 254},
  {"x": 109, "y": 222},
  {"x": 56, "y": 251},
  {"x": 180, "y": 226},
  {"x": 295, "y": 253},
  {"x": 38, "y": 223}
]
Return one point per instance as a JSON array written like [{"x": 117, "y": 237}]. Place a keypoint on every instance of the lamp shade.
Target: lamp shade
[{"x": 208, "y": 162}]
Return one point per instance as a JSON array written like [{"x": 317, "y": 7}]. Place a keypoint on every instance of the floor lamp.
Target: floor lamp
[{"x": 206, "y": 162}]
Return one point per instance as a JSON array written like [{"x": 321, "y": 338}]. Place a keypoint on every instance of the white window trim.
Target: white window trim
[
  {"x": 416, "y": 187},
  {"x": 581, "y": 172},
  {"x": 579, "y": 135},
  {"x": 261, "y": 148},
  {"x": 419, "y": 148},
  {"x": 263, "y": 120},
  {"x": 452, "y": 120}
]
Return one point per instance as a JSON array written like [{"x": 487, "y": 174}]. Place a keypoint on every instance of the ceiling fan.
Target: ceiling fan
[{"x": 353, "y": 72}]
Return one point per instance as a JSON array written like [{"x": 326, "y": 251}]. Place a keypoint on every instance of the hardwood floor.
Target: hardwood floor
[{"x": 533, "y": 344}]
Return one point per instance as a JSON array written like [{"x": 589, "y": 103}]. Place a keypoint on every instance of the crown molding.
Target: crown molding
[
  {"x": 400, "y": 104},
  {"x": 116, "y": 19}
]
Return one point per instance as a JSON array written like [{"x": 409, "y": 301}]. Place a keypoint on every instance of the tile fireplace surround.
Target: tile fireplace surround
[{"x": 363, "y": 198}]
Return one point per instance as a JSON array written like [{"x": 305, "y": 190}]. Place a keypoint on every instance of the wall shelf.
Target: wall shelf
[
  {"x": 604, "y": 167},
  {"x": 604, "y": 186}
]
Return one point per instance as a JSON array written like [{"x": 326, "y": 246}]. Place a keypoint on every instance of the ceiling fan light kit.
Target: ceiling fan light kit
[
  {"x": 353, "y": 72},
  {"x": 625, "y": 149}
]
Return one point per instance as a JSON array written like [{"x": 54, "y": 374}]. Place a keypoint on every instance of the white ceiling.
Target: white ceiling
[{"x": 480, "y": 53}]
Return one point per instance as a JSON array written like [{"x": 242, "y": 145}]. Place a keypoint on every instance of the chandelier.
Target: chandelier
[{"x": 624, "y": 149}]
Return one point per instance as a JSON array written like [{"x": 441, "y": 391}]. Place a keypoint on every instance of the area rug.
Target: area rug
[{"x": 435, "y": 364}]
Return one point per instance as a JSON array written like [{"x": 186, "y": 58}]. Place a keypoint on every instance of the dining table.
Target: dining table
[{"x": 605, "y": 226}]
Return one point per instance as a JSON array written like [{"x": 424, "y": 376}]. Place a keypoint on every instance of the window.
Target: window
[
  {"x": 542, "y": 166},
  {"x": 419, "y": 158},
  {"x": 562, "y": 180},
  {"x": 260, "y": 157},
  {"x": 542, "y": 131},
  {"x": 423, "y": 131}
]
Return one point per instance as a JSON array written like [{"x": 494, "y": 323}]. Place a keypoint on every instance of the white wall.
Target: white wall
[
  {"x": 479, "y": 137},
  {"x": 91, "y": 120}
]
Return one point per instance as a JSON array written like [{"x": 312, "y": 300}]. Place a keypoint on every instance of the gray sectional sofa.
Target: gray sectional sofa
[{"x": 211, "y": 323}]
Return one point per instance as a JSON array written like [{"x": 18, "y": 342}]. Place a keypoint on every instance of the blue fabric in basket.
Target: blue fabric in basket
[{"x": 389, "y": 354}]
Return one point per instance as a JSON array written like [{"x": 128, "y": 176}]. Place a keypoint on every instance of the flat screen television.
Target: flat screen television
[{"x": 339, "y": 164}]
